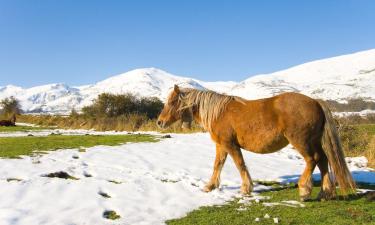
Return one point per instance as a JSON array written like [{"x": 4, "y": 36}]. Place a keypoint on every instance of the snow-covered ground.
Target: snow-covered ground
[
  {"x": 46, "y": 132},
  {"x": 153, "y": 181},
  {"x": 362, "y": 113}
]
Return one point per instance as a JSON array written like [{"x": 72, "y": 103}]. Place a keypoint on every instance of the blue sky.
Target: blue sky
[{"x": 85, "y": 41}]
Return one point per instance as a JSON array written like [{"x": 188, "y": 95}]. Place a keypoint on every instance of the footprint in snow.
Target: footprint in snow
[
  {"x": 104, "y": 194},
  {"x": 87, "y": 174}
]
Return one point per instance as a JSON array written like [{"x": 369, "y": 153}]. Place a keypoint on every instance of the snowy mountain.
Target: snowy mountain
[{"x": 338, "y": 78}]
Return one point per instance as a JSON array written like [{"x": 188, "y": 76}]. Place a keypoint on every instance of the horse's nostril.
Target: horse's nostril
[{"x": 159, "y": 123}]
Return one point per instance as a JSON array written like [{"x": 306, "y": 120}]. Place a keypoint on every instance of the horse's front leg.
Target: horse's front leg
[
  {"x": 236, "y": 154},
  {"x": 221, "y": 156}
]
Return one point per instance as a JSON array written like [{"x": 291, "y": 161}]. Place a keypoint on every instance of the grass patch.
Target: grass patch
[
  {"x": 368, "y": 128},
  {"x": 60, "y": 174},
  {"x": 354, "y": 210},
  {"x": 21, "y": 128},
  {"x": 111, "y": 215},
  {"x": 359, "y": 140},
  {"x": 13, "y": 147},
  {"x": 114, "y": 181}
]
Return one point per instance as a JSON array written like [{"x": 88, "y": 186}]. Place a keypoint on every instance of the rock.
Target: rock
[{"x": 166, "y": 136}]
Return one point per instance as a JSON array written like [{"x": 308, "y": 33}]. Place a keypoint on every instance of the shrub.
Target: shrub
[
  {"x": 110, "y": 105},
  {"x": 9, "y": 106}
]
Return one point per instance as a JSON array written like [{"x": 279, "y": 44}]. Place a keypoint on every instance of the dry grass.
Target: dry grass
[
  {"x": 370, "y": 153},
  {"x": 357, "y": 119},
  {"x": 359, "y": 140},
  {"x": 131, "y": 123}
]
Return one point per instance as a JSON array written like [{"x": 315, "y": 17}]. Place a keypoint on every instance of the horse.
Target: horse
[
  {"x": 9, "y": 123},
  {"x": 265, "y": 126}
]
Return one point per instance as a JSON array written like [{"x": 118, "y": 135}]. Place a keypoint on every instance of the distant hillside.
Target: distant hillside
[{"x": 339, "y": 78}]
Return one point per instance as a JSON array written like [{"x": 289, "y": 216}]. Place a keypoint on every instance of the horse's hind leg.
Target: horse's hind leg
[
  {"x": 221, "y": 156},
  {"x": 327, "y": 191},
  {"x": 305, "y": 183}
]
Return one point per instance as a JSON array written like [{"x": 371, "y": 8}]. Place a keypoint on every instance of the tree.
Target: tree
[{"x": 10, "y": 106}]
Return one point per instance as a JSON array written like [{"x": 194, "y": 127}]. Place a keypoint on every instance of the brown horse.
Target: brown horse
[
  {"x": 265, "y": 126},
  {"x": 9, "y": 123}
]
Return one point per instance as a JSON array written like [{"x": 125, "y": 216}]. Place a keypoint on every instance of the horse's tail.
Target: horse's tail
[{"x": 332, "y": 148}]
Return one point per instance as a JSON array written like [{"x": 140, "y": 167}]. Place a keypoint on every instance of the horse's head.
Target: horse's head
[{"x": 175, "y": 109}]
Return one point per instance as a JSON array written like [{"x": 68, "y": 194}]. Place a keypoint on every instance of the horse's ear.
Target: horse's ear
[{"x": 176, "y": 89}]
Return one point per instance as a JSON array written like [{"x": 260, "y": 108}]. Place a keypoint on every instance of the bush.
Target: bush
[
  {"x": 10, "y": 106},
  {"x": 110, "y": 105}
]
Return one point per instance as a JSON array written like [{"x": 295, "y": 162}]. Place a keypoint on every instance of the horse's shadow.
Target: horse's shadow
[{"x": 364, "y": 180}]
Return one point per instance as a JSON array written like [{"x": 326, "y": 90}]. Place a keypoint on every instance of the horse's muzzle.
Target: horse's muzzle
[{"x": 160, "y": 124}]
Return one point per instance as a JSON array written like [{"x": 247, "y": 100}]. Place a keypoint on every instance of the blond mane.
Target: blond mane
[{"x": 209, "y": 104}]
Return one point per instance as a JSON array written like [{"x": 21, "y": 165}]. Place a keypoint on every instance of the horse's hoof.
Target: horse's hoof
[
  {"x": 305, "y": 198},
  {"x": 326, "y": 196},
  {"x": 206, "y": 189},
  {"x": 209, "y": 187},
  {"x": 246, "y": 190}
]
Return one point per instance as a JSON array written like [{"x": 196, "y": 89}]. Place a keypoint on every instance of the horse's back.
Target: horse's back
[
  {"x": 299, "y": 114},
  {"x": 267, "y": 125}
]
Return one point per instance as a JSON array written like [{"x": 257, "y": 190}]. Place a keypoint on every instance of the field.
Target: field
[
  {"x": 13, "y": 147},
  {"x": 283, "y": 206},
  {"x": 20, "y": 128},
  {"x": 369, "y": 128},
  {"x": 146, "y": 179},
  {"x": 359, "y": 140}
]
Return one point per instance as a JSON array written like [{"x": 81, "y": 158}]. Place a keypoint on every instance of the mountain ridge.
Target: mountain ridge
[{"x": 338, "y": 78}]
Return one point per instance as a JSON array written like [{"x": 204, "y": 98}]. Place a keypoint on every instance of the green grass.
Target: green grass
[
  {"x": 111, "y": 215},
  {"x": 14, "y": 147},
  {"x": 354, "y": 210},
  {"x": 21, "y": 128},
  {"x": 369, "y": 128}
]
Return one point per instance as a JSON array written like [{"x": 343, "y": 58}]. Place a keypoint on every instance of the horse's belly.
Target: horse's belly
[{"x": 264, "y": 144}]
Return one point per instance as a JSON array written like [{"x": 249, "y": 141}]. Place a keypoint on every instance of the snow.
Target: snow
[
  {"x": 362, "y": 113},
  {"x": 46, "y": 132},
  {"x": 158, "y": 181},
  {"x": 338, "y": 78}
]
